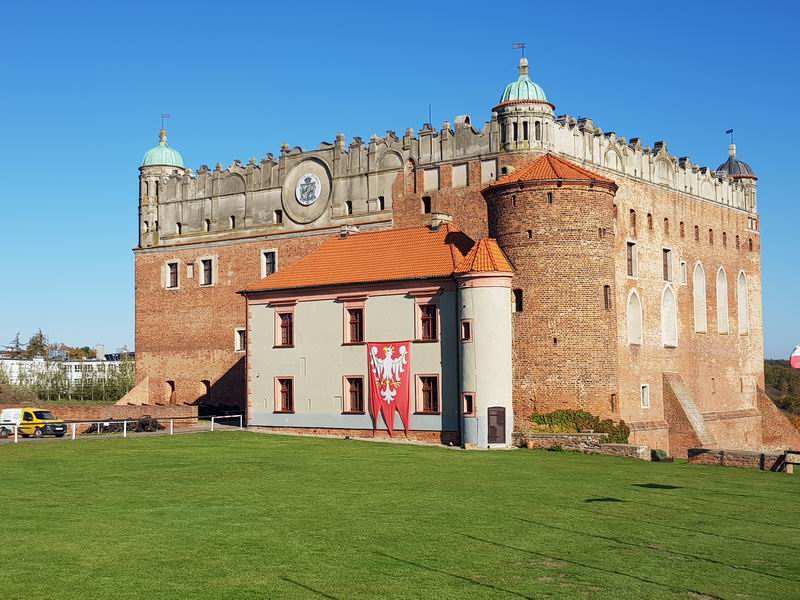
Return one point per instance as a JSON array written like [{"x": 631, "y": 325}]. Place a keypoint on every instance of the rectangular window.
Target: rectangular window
[
  {"x": 428, "y": 394},
  {"x": 355, "y": 394},
  {"x": 284, "y": 395},
  {"x": 684, "y": 273},
  {"x": 466, "y": 330},
  {"x": 277, "y": 217},
  {"x": 172, "y": 275},
  {"x": 488, "y": 170},
  {"x": 286, "y": 321},
  {"x": 645, "y": 396},
  {"x": 666, "y": 263},
  {"x": 632, "y": 260},
  {"x": 207, "y": 266},
  {"x": 607, "y": 297},
  {"x": 427, "y": 321},
  {"x": 355, "y": 325},
  {"x": 468, "y": 404},
  {"x": 269, "y": 262},
  {"x": 240, "y": 339}
]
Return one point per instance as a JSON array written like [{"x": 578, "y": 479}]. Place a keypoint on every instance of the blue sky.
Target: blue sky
[{"x": 82, "y": 86}]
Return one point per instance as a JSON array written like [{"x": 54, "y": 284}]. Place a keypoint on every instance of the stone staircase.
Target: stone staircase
[{"x": 690, "y": 410}]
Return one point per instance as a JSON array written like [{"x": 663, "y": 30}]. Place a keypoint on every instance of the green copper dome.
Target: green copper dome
[
  {"x": 163, "y": 154},
  {"x": 523, "y": 88}
]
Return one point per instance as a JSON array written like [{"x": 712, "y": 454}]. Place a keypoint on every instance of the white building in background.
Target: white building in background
[{"x": 18, "y": 370}]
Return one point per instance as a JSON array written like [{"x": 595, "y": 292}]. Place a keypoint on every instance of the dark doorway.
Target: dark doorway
[{"x": 497, "y": 425}]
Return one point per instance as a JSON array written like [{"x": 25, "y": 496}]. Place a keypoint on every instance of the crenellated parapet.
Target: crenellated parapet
[
  {"x": 354, "y": 183},
  {"x": 580, "y": 140}
]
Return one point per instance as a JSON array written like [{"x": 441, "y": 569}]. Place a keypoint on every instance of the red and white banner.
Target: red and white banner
[{"x": 389, "y": 382}]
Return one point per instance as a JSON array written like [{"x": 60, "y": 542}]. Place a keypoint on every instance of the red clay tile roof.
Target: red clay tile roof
[
  {"x": 550, "y": 167},
  {"x": 485, "y": 256},
  {"x": 369, "y": 257}
]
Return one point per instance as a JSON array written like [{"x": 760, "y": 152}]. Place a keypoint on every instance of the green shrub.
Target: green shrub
[
  {"x": 573, "y": 421},
  {"x": 657, "y": 455}
]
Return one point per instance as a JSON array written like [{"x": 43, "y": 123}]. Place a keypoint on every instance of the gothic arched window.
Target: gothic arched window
[
  {"x": 699, "y": 295},
  {"x": 634, "y": 318}
]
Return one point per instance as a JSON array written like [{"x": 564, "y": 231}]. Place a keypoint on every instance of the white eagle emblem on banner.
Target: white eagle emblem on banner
[{"x": 388, "y": 370}]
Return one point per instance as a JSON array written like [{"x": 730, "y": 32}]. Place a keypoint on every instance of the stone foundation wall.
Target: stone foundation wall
[
  {"x": 743, "y": 459},
  {"x": 588, "y": 443},
  {"x": 447, "y": 438}
]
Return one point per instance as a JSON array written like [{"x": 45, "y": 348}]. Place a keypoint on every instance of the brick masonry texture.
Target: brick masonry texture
[{"x": 97, "y": 412}]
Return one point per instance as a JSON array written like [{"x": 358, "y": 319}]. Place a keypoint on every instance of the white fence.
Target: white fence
[{"x": 111, "y": 427}]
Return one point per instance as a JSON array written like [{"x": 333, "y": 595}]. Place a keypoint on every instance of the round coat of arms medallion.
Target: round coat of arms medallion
[{"x": 308, "y": 189}]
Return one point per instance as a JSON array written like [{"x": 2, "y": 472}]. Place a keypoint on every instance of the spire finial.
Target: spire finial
[
  {"x": 162, "y": 135},
  {"x": 523, "y": 62}
]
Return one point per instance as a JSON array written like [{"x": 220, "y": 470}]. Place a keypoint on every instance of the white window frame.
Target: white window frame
[
  {"x": 165, "y": 275},
  {"x": 644, "y": 396},
  {"x": 200, "y": 271},
  {"x": 264, "y": 251},
  {"x": 237, "y": 339}
]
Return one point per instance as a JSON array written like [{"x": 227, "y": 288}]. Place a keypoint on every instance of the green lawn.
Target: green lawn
[{"x": 246, "y": 515}]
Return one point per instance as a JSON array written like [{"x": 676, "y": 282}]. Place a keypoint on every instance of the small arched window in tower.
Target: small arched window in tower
[
  {"x": 516, "y": 301},
  {"x": 146, "y": 227},
  {"x": 537, "y": 131},
  {"x": 607, "y": 297},
  {"x": 737, "y": 242},
  {"x": 525, "y": 130},
  {"x": 348, "y": 208},
  {"x": 682, "y": 230},
  {"x": 711, "y": 237},
  {"x": 616, "y": 211},
  {"x": 381, "y": 203},
  {"x": 633, "y": 314},
  {"x": 513, "y": 200},
  {"x": 157, "y": 190},
  {"x": 649, "y": 221},
  {"x": 724, "y": 240},
  {"x": 277, "y": 217},
  {"x": 426, "y": 205},
  {"x": 550, "y": 198},
  {"x": 750, "y": 244},
  {"x": 530, "y": 234},
  {"x": 515, "y": 129},
  {"x": 178, "y": 228},
  {"x": 696, "y": 233},
  {"x": 633, "y": 222},
  {"x": 666, "y": 226},
  {"x": 232, "y": 222},
  {"x": 207, "y": 225}
]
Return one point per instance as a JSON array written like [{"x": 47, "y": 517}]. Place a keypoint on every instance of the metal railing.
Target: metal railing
[{"x": 73, "y": 426}]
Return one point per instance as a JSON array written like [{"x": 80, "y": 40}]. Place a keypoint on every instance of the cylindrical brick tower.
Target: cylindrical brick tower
[{"x": 554, "y": 220}]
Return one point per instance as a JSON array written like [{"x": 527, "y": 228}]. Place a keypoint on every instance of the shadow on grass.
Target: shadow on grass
[
  {"x": 665, "y": 586},
  {"x": 658, "y": 486},
  {"x": 308, "y": 588},
  {"x": 604, "y": 500},
  {"x": 461, "y": 577},
  {"x": 657, "y": 549},
  {"x": 687, "y": 529}
]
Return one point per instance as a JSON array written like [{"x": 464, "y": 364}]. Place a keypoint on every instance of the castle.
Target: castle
[{"x": 634, "y": 288}]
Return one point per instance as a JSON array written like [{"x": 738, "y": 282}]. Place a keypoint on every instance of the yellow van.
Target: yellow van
[{"x": 34, "y": 422}]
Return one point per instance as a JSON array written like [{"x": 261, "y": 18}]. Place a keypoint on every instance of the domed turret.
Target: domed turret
[
  {"x": 735, "y": 168},
  {"x": 524, "y": 114},
  {"x": 163, "y": 154},
  {"x": 523, "y": 88}
]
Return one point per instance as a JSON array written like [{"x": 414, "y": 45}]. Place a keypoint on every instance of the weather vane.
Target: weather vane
[
  {"x": 164, "y": 116},
  {"x": 519, "y": 46}
]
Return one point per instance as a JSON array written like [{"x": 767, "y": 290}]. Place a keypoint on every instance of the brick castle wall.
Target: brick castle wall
[{"x": 564, "y": 351}]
